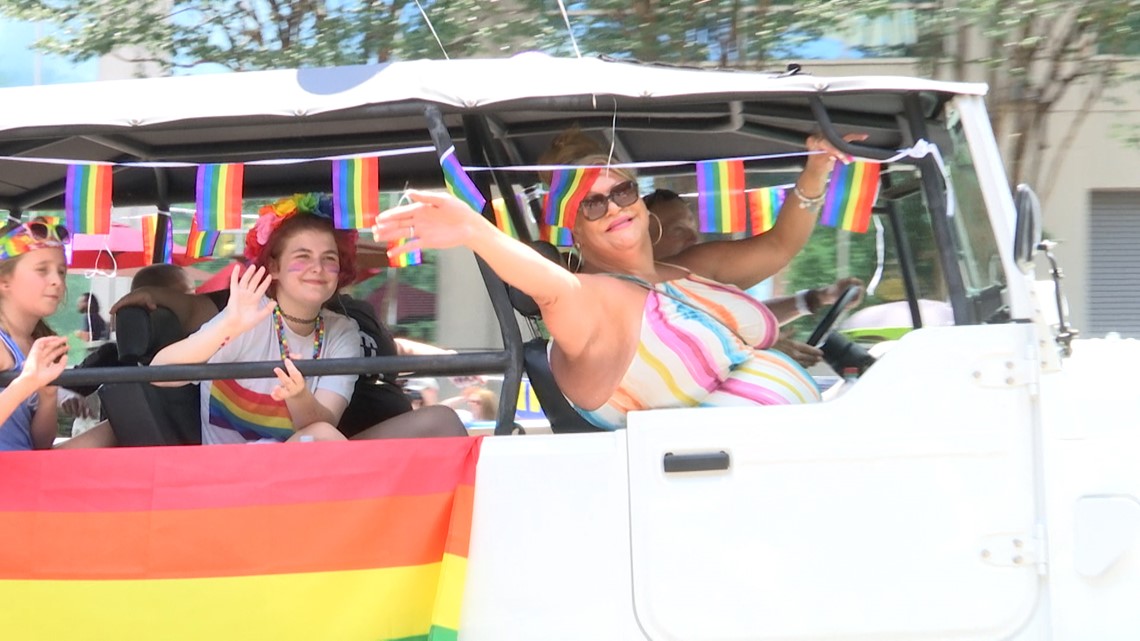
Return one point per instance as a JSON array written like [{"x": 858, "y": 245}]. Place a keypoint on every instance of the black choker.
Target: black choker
[{"x": 302, "y": 321}]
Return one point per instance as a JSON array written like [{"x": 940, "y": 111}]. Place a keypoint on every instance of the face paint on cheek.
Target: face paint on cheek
[
  {"x": 333, "y": 268},
  {"x": 297, "y": 266}
]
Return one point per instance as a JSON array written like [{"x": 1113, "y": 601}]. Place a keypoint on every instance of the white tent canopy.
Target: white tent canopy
[{"x": 515, "y": 105}]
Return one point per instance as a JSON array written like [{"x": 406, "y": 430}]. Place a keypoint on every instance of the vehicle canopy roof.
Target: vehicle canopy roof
[{"x": 316, "y": 113}]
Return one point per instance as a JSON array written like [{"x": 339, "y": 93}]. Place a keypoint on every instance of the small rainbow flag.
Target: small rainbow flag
[
  {"x": 721, "y": 203},
  {"x": 557, "y": 236},
  {"x": 763, "y": 205},
  {"x": 87, "y": 199},
  {"x": 406, "y": 259},
  {"x": 219, "y": 194},
  {"x": 367, "y": 541},
  {"x": 356, "y": 192},
  {"x": 851, "y": 194},
  {"x": 503, "y": 218},
  {"x": 149, "y": 232},
  {"x": 200, "y": 243},
  {"x": 150, "y": 236},
  {"x": 459, "y": 183},
  {"x": 567, "y": 189}
]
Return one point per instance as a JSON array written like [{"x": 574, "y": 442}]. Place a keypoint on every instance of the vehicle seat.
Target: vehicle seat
[
  {"x": 140, "y": 413},
  {"x": 563, "y": 418}
]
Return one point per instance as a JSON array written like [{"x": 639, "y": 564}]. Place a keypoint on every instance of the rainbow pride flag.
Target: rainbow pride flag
[
  {"x": 503, "y": 218},
  {"x": 851, "y": 194},
  {"x": 567, "y": 189},
  {"x": 87, "y": 199},
  {"x": 763, "y": 206},
  {"x": 459, "y": 183},
  {"x": 557, "y": 236},
  {"x": 406, "y": 259},
  {"x": 150, "y": 236},
  {"x": 721, "y": 203},
  {"x": 219, "y": 194},
  {"x": 200, "y": 243},
  {"x": 356, "y": 192},
  {"x": 365, "y": 540}
]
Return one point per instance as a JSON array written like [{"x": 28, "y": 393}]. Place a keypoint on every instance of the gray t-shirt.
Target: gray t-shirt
[{"x": 240, "y": 411}]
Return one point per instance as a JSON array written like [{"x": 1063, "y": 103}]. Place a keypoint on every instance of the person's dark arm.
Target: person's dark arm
[{"x": 192, "y": 310}]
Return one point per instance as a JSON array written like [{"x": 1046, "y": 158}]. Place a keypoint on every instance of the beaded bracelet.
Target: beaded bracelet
[{"x": 812, "y": 205}]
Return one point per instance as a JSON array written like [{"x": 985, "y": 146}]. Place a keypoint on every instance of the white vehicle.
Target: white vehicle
[{"x": 977, "y": 482}]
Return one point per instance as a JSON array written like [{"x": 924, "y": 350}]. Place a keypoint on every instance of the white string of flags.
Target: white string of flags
[{"x": 725, "y": 205}]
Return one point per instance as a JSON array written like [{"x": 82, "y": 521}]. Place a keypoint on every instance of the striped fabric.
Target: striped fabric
[
  {"x": 356, "y": 192},
  {"x": 87, "y": 199},
  {"x": 721, "y": 203},
  {"x": 249, "y": 413},
  {"x": 218, "y": 196},
  {"x": 359, "y": 541},
  {"x": 688, "y": 359}
]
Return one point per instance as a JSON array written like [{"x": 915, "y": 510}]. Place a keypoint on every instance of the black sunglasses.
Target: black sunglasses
[{"x": 623, "y": 194}]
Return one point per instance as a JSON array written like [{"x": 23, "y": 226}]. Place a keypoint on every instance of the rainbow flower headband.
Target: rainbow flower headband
[
  {"x": 272, "y": 215},
  {"x": 41, "y": 232}
]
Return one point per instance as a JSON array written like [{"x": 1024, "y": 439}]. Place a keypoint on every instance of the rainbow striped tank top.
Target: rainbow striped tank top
[{"x": 704, "y": 344}]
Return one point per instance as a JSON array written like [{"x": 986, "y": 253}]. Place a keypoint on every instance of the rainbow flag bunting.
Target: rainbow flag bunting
[
  {"x": 406, "y": 259},
  {"x": 219, "y": 194},
  {"x": 503, "y": 218},
  {"x": 567, "y": 189},
  {"x": 150, "y": 236},
  {"x": 87, "y": 199},
  {"x": 200, "y": 243},
  {"x": 149, "y": 233},
  {"x": 763, "y": 205},
  {"x": 721, "y": 203},
  {"x": 851, "y": 194},
  {"x": 459, "y": 183},
  {"x": 356, "y": 192},
  {"x": 367, "y": 541},
  {"x": 557, "y": 236}
]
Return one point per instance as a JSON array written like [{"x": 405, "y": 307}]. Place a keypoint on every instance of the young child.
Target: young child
[
  {"x": 32, "y": 285},
  {"x": 298, "y": 262}
]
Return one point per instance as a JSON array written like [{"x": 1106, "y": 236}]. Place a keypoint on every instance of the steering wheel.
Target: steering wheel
[{"x": 821, "y": 331}]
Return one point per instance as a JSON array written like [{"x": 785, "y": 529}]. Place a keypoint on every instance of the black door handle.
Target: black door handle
[{"x": 702, "y": 462}]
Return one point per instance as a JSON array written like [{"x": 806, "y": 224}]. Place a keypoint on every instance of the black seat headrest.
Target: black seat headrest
[
  {"x": 522, "y": 302},
  {"x": 140, "y": 332}
]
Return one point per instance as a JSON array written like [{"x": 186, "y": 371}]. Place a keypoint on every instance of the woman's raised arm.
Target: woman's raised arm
[
  {"x": 439, "y": 221},
  {"x": 748, "y": 261}
]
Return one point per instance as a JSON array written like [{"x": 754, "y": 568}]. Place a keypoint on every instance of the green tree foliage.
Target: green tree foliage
[
  {"x": 261, "y": 34},
  {"x": 1035, "y": 55}
]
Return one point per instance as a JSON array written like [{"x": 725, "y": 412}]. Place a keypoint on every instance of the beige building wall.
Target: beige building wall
[{"x": 1097, "y": 159}]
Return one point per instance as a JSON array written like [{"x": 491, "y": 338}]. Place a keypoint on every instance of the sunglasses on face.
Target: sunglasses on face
[{"x": 623, "y": 194}]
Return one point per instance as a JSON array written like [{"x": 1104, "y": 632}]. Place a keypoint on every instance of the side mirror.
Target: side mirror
[{"x": 1027, "y": 230}]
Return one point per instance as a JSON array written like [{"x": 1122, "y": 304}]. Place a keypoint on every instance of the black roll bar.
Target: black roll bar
[
  {"x": 449, "y": 364},
  {"x": 936, "y": 185}
]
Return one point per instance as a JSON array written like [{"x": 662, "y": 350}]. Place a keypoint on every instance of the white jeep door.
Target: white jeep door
[{"x": 902, "y": 510}]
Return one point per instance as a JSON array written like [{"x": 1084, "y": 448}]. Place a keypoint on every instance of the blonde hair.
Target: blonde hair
[
  {"x": 566, "y": 149},
  {"x": 602, "y": 160},
  {"x": 488, "y": 404}
]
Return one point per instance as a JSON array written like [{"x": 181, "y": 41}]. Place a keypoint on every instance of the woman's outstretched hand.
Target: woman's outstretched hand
[
  {"x": 820, "y": 165},
  {"x": 433, "y": 220},
  {"x": 246, "y": 292}
]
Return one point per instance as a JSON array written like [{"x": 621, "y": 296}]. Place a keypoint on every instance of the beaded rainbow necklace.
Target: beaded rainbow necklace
[{"x": 283, "y": 342}]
